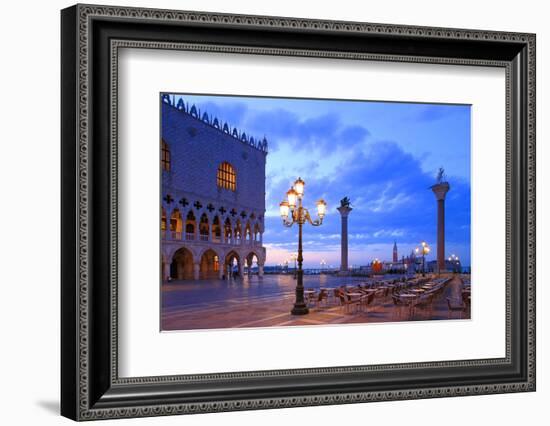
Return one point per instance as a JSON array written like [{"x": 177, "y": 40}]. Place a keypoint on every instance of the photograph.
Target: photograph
[
  {"x": 279, "y": 211},
  {"x": 266, "y": 208}
]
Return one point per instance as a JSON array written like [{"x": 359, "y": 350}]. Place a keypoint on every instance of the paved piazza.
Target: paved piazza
[{"x": 266, "y": 302}]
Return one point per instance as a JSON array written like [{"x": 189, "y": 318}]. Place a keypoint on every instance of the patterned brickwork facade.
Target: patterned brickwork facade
[{"x": 208, "y": 230}]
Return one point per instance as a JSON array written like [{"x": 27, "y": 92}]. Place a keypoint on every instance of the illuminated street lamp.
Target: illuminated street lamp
[
  {"x": 455, "y": 261},
  {"x": 424, "y": 249},
  {"x": 293, "y": 212}
]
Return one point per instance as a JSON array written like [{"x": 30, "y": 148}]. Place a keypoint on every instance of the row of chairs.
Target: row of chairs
[
  {"x": 406, "y": 298},
  {"x": 369, "y": 293}
]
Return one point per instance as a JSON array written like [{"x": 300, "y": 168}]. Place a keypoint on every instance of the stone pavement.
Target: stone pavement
[{"x": 253, "y": 302}]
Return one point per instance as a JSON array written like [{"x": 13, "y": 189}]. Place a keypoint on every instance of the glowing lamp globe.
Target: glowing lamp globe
[
  {"x": 284, "y": 208},
  {"x": 299, "y": 187},
  {"x": 292, "y": 196},
  {"x": 321, "y": 208}
]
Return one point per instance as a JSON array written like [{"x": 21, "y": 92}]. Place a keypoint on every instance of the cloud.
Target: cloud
[
  {"x": 388, "y": 185},
  {"x": 322, "y": 133},
  {"x": 389, "y": 233},
  {"x": 429, "y": 113},
  {"x": 387, "y": 203},
  {"x": 391, "y": 201}
]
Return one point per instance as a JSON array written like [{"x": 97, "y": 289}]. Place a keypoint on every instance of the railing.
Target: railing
[{"x": 189, "y": 236}]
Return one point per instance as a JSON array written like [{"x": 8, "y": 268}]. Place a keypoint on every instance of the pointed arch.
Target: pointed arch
[
  {"x": 216, "y": 230},
  {"x": 238, "y": 232},
  {"x": 209, "y": 265},
  {"x": 190, "y": 226},
  {"x": 252, "y": 263},
  {"x": 181, "y": 267},
  {"x": 228, "y": 231},
  {"x": 248, "y": 233},
  {"x": 176, "y": 225},
  {"x": 232, "y": 264},
  {"x": 163, "y": 222},
  {"x": 257, "y": 232},
  {"x": 204, "y": 227}
]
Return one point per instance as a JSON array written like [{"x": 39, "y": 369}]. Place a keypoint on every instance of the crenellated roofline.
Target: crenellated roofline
[{"x": 214, "y": 122}]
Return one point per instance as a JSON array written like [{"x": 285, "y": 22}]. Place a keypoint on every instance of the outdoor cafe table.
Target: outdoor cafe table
[
  {"x": 355, "y": 296},
  {"x": 308, "y": 293},
  {"x": 411, "y": 298},
  {"x": 329, "y": 290}
]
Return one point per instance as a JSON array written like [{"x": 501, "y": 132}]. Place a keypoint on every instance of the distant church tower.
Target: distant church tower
[{"x": 395, "y": 252}]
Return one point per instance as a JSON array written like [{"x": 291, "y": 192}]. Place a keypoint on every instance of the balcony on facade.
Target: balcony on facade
[
  {"x": 211, "y": 230},
  {"x": 207, "y": 238}
]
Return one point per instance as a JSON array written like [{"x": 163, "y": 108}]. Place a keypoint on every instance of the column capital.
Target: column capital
[
  {"x": 440, "y": 190},
  {"x": 344, "y": 210}
]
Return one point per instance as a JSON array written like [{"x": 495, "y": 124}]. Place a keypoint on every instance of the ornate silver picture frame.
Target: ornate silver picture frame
[{"x": 91, "y": 37}]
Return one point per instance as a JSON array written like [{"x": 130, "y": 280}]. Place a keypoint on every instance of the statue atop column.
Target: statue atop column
[
  {"x": 344, "y": 209},
  {"x": 345, "y": 202},
  {"x": 440, "y": 178}
]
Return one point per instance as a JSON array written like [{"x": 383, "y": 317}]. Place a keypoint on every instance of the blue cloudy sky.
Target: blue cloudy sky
[{"x": 382, "y": 155}]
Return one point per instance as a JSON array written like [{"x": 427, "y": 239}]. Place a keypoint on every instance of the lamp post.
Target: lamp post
[
  {"x": 294, "y": 257},
  {"x": 292, "y": 211},
  {"x": 455, "y": 261},
  {"x": 424, "y": 249}
]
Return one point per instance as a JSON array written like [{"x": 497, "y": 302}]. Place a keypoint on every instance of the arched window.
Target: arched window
[
  {"x": 204, "y": 227},
  {"x": 216, "y": 230},
  {"x": 176, "y": 225},
  {"x": 165, "y": 156},
  {"x": 227, "y": 178},
  {"x": 190, "y": 226},
  {"x": 163, "y": 220},
  {"x": 228, "y": 231}
]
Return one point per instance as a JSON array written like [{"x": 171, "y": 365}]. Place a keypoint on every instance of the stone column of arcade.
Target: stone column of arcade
[
  {"x": 166, "y": 271},
  {"x": 196, "y": 271},
  {"x": 241, "y": 269}
]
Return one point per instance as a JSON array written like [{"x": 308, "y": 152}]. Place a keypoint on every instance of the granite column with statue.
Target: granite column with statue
[
  {"x": 344, "y": 209},
  {"x": 440, "y": 190}
]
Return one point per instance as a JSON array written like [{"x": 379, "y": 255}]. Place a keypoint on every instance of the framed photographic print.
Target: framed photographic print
[{"x": 263, "y": 212}]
